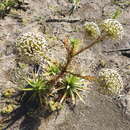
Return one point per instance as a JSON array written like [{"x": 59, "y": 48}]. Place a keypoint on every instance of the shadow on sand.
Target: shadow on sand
[{"x": 27, "y": 114}]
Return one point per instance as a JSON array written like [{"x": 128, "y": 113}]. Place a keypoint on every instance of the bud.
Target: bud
[
  {"x": 30, "y": 46},
  {"x": 110, "y": 82},
  {"x": 8, "y": 109},
  {"x": 113, "y": 28},
  {"x": 54, "y": 105},
  {"x": 92, "y": 29},
  {"x": 8, "y": 92}
]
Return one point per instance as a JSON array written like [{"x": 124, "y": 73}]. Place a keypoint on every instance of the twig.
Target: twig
[
  {"x": 65, "y": 42},
  {"x": 3, "y": 120},
  {"x": 69, "y": 59},
  {"x": 65, "y": 20},
  {"x": 123, "y": 49},
  {"x": 91, "y": 78},
  {"x": 63, "y": 70},
  {"x": 85, "y": 48}
]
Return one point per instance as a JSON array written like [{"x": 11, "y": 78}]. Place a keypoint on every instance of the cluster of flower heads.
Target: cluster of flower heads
[
  {"x": 110, "y": 82},
  {"x": 30, "y": 46},
  {"x": 111, "y": 27},
  {"x": 93, "y": 29}
]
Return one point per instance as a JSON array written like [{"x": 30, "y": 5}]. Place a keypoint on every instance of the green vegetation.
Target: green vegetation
[
  {"x": 75, "y": 5},
  {"x": 39, "y": 88},
  {"x": 49, "y": 84},
  {"x": 74, "y": 1},
  {"x": 122, "y": 4},
  {"x": 117, "y": 14},
  {"x": 8, "y": 109},
  {"x": 72, "y": 85},
  {"x": 53, "y": 70},
  {"x": 8, "y": 92},
  {"x": 55, "y": 84},
  {"x": 7, "y": 5}
]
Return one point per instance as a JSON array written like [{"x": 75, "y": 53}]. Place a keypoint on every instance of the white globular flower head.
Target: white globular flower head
[
  {"x": 30, "y": 46},
  {"x": 92, "y": 29},
  {"x": 113, "y": 28},
  {"x": 110, "y": 82}
]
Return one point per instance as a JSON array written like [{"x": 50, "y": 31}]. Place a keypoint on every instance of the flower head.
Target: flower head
[
  {"x": 92, "y": 29},
  {"x": 110, "y": 82},
  {"x": 113, "y": 28},
  {"x": 30, "y": 46}
]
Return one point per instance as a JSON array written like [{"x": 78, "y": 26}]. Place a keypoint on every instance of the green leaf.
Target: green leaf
[
  {"x": 116, "y": 14},
  {"x": 54, "y": 69},
  {"x": 26, "y": 89},
  {"x": 74, "y": 42},
  {"x": 64, "y": 96},
  {"x": 73, "y": 97},
  {"x": 80, "y": 97}
]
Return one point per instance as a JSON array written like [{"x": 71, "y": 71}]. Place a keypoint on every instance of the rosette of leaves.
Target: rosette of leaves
[
  {"x": 110, "y": 82},
  {"x": 51, "y": 68},
  {"x": 30, "y": 47},
  {"x": 72, "y": 86},
  {"x": 33, "y": 95},
  {"x": 36, "y": 89}
]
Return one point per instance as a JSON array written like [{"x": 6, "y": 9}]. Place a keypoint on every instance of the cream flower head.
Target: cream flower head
[
  {"x": 110, "y": 82},
  {"x": 30, "y": 46},
  {"x": 113, "y": 28},
  {"x": 92, "y": 29}
]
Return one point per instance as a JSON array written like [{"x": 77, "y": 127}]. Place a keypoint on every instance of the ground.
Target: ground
[{"x": 99, "y": 112}]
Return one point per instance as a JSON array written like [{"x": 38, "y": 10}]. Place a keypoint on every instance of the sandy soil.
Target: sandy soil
[{"x": 99, "y": 112}]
